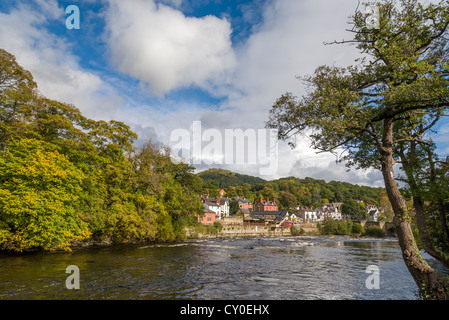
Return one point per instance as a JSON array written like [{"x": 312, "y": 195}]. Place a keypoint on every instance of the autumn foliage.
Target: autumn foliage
[{"x": 66, "y": 179}]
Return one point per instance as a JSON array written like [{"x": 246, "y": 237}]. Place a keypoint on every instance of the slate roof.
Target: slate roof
[{"x": 279, "y": 215}]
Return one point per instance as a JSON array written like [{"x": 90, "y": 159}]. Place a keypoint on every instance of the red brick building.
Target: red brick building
[
  {"x": 243, "y": 203},
  {"x": 208, "y": 217},
  {"x": 266, "y": 205}
]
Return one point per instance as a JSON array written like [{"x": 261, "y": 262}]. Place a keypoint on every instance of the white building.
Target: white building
[
  {"x": 306, "y": 214},
  {"x": 218, "y": 205},
  {"x": 317, "y": 215},
  {"x": 373, "y": 212}
]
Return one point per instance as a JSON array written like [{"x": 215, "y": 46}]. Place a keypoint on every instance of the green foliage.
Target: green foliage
[
  {"x": 354, "y": 209},
  {"x": 296, "y": 232},
  {"x": 65, "y": 178},
  {"x": 39, "y": 199},
  {"x": 331, "y": 227},
  {"x": 226, "y": 178},
  {"x": 357, "y": 229},
  {"x": 214, "y": 229},
  {"x": 375, "y": 231},
  {"x": 233, "y": 207}
]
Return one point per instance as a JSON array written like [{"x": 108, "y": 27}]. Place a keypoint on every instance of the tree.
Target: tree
[
  {"x": 287, "y": 201},
  {"x": 39, "y": 198},
  {"x": 316, "y": 198},
  {"x": 364, "y": 111},
  {"x": 424, "y": 183},
  {"x": 66, "y": 178},
  {"x": 17, "y": 90},
  {"x": 233, "y": 207},
  {"x": 353, "y": 209},
  {"x": 385, "y": 206}
]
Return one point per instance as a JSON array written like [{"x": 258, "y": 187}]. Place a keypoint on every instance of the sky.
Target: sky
[{"x": 170, "y": 67}]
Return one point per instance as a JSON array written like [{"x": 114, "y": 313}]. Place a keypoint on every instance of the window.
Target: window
[{"x": 209, "y": 218}]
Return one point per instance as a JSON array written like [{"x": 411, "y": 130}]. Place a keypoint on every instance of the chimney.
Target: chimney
[
  {"x": 274, "y": 200},
  {"x": 260, "y": 199},
  {"x": 218, "y": 200}
]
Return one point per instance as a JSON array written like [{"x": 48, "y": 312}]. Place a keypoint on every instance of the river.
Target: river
[{"x": 276, "y": 268}]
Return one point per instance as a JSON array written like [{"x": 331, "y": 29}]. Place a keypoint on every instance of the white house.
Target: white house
[
  {"x": 373, "y": 212},
  {"x": 306, "y": 214},
  {"x": 316, "y": 215},
  {"x": 218, "y": 205}
]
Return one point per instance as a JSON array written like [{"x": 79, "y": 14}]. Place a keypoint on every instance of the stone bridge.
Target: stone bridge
[{"x": 388, "y": 227}]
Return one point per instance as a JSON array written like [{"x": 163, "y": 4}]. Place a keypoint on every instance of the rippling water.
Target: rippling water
[{"x": 289, "y": 268}]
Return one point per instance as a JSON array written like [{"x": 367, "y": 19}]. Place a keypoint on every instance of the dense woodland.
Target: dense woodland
[{"x": 66, "y": 179}]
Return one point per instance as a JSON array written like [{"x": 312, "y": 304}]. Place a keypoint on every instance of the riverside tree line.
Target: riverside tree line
[{"x": 65, "y": 179}]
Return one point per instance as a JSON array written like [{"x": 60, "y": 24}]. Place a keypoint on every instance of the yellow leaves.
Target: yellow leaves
[{"x": 38, "y": 198}]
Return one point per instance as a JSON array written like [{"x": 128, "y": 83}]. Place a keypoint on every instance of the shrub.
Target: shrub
[
  {"x": 357, "y": 229},
  {"x": 329, "y": 226},
  {"x": 375, "y": 231},
  {"x": 295, "y": 232},
  {"x": 332, "y": 227}
]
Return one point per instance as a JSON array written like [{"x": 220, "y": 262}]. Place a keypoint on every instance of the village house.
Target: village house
[
  {"x": 266, "y": 205},
  {"x": 331, "y": 211},
  {"x": 373, "y": 212},
  {"x": 243, "y": 203},
  {"x": 269, "y": 217},
  {"x": 306, "y": 214},
  {"x": 218, "y": 205},
  {"x": 209, "y": 216}
]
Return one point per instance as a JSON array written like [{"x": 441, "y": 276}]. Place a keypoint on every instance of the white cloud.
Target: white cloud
[
  {"x": 51, "y": 8},
  {"x": 288, "y": 42},
  {"x": 51, "y": 61},
  {"x": 160, "y": 46}
]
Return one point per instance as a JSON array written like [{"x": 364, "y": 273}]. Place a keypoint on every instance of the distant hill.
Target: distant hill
[
  {"x": 226, "y": 178},
  {"x": 306, "y": 191}
]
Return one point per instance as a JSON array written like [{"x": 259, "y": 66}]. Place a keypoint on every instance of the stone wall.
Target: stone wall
[
  {"x": 235, "y": 226},
  {"x": 308, "y": 227},
  {"x": 254, "y": 230}
]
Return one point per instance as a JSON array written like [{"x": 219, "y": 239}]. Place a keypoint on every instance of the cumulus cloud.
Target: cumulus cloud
[
  {"x": 51, "y": 61},
  {"x": 160, "y": 46},
  {"x": 288, "y": 42}
]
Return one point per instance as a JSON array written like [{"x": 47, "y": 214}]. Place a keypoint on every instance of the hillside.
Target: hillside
[
  {"x": 293, "y": 190},
  {"x": 226, "y": 178}
]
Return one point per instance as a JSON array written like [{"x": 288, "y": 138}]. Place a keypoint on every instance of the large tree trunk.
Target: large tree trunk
[{"x": 431, "y": 285}]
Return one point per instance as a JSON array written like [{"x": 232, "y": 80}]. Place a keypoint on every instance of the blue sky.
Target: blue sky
[{"x": 159, "y": 65}]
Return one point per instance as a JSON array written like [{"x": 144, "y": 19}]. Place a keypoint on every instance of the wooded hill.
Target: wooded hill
[
  {"x": 226, "y": 178},
  {"x": 290, "y": 191}
]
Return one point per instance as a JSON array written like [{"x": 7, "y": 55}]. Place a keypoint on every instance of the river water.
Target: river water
[{"x": 275, "y": 268}]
